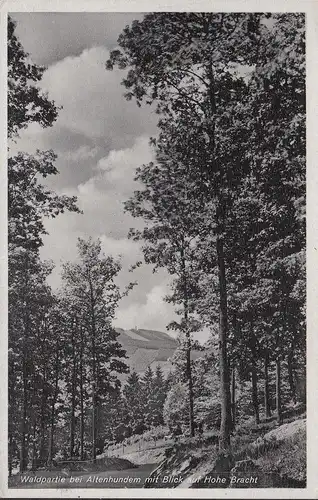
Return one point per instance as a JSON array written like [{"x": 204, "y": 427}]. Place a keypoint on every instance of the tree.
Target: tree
[
  {"x": 154, "y": 392},
  {"x": 55, "y": 367},
  {"x": 173, "y": 220},
  {"x": 26, "y": 102},
  {"x": 160, "y": 393},
  {"x": 274, "y": 192},
  {"x": 29, "y": 201},
  {"x": 194, "y": 78},
  {"x": 30, "y": 301},
  {"x": 147, "y": 388},
  {"x": 239, "y": 118},
  {"x": 175, "y": 406},
  {"x": 135, "y": 403},
  {"x": 30, "y": 298},
  {"x": 91, "y": 284}
]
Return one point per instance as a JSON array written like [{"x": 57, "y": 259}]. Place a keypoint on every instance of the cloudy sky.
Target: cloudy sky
[{"x": 100, "y": 139}]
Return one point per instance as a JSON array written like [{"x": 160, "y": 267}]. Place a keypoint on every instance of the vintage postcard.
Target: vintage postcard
[{"x": 157, "y": 170}]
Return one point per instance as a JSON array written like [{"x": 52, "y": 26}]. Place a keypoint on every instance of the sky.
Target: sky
[{"x": 100, "y": 139}]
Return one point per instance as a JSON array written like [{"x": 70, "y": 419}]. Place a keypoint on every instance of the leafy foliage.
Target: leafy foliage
[
  {"x": 223, "y": 204},
  {"x": 26, "y": 102}
]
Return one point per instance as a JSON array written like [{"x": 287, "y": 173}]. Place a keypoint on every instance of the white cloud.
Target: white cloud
[
  {"x": 95, "y": 118},
  {"x": 128, "y": 250},
  {"x": 154, "y": 314},
  {"x": 82, "y": 153},
  {"x": 119, "y": 166},
  {"x": 101, "y": 199},
  {"x": 92, "y": 99}
]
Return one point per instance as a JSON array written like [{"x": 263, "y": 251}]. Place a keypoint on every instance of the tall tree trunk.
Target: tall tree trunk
[
  {"x": 266, "y": 388},
  {"x": 54, "y": 399},
  {"x": 72, "y": 429},
  {"x": 42, "y": 425},
  {"x": 190, "y": 386},
  {"x": 253, "y": 348},
  {"x": 34, "y": 465},
  {"x": 44, "y": 402},
  {"x": 278, "y": 393},
  {"x": 226, "y": 420},
  {"x": 73, "y": 399},
  {"x": 26, "y": 321},
  {"x": 23, "y": 451},
  {"x": 291, "y": 376},
  {"x": 237, "y": 336},
  {"x": 81, "y": 397},
  {"x": 255, "y": 392},
  {"x": 93, "y": 421},
  {"x": 51, "y": 436},
  {"x": 226, "y": 417},
  {"x": 42, "y": 439},
  {"x": 12, "y": 400},
  {"x": 10, "y": 450},
  {"x": 233, "y": 397},
  {"x": 94, "y": 381},
  {"x": 188, "y": 347}
]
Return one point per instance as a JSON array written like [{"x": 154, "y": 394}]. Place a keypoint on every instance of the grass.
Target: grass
[
  {"x": 279, "y": 461},
  {"x": 288, "y": 458}
]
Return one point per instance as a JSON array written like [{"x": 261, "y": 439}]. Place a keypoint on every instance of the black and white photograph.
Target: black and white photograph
[{"x": 156, "y": 192}]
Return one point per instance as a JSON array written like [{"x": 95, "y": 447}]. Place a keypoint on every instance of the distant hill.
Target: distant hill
[{"x": 148, "y": 348}]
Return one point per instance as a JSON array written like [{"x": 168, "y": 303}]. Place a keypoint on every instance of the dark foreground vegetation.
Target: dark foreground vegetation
[{"x": 261, "y": 456}]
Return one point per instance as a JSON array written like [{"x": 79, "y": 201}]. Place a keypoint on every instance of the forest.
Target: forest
[{"x": 223, "y": 212}]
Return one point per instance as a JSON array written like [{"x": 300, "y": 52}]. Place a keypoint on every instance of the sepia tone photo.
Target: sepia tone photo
[{"x": 156, "y": 250}]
